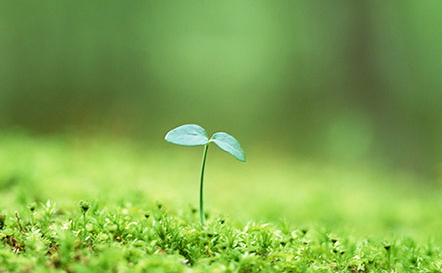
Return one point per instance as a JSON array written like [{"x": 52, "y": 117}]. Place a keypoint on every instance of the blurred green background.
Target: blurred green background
[
  {"x": 331, "y": 100},
  {"x": 341, "y": 80}
]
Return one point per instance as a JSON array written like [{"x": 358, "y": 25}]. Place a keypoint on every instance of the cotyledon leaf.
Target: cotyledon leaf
[
  {"x": 193, "y": 135},
  {"x": 188, "y": 135},
  {"x": 229, "y": 144}
]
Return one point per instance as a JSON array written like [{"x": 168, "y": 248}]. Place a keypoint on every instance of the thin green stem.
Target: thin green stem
[{"x": 203, "y": 164}]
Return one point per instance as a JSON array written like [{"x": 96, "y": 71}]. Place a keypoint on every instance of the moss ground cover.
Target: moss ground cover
[
  {"x": 124, "y": 238},
  {"x": 139, "y": 216}
]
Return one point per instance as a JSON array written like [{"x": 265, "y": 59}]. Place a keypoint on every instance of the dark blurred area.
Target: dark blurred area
[{"x": 340, "y": 80}]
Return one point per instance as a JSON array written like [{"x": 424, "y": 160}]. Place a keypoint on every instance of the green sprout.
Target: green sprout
[{"x": 195, "y": 135}]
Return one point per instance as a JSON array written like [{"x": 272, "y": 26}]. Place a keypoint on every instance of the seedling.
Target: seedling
[{"x": 195, "y": 135}]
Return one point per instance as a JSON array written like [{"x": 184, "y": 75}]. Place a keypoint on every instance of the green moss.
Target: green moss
[{"x": 117, "y": 239}]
